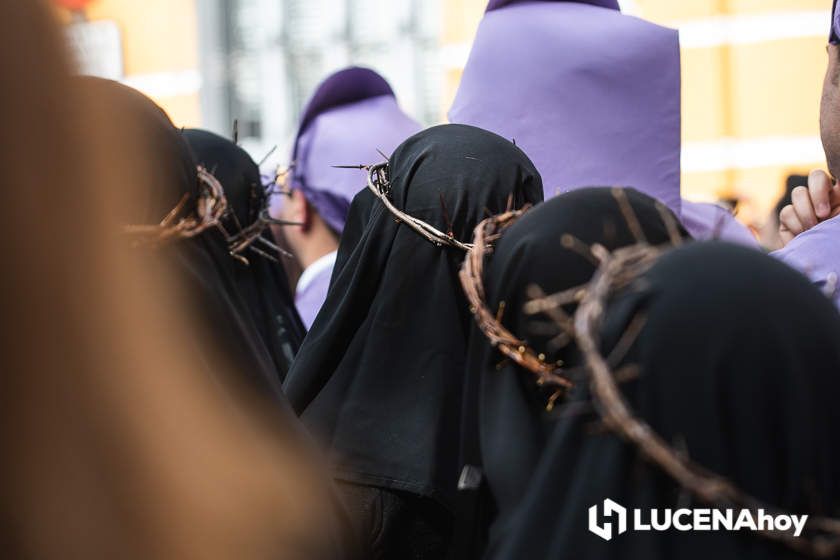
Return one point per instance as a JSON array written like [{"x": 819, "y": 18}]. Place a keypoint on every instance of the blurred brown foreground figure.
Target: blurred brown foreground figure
[{"x": 114, "y": 444}]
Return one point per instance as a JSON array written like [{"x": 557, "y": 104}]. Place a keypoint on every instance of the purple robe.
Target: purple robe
[
  {"x": 312, "y": 288},
  {"x": 496, "y": 4},
  {"x": 351, "y": 118},
  {"x": 705, "y": 221},
  {"x": 816, "y": 253},
  {"x": 588, "y": 111}
]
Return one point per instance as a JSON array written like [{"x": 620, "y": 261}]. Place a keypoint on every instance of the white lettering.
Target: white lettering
[
  {"x": 684, "y": 519},
  {"x": 765, "y": 521},
  {"x": 799, "y": 524},
  {"x": 637, "y": 521},
  {"x": 702, "y": 520},
  {"x": 745, "y": 521},
  {"x": 722, "y": 519},
  {"x": 660, "y": 525},
  {"x": 680, "y": 526},
  {"x": 783, "y": 523}
]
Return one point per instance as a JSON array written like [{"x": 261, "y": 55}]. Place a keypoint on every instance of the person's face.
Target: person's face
[
  {"x": 830, "y": 111},
  {"x": 293, "y": 208}
]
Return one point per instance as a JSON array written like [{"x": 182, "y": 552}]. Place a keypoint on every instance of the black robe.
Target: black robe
[
  {"x": 261, "y": 282},
  {"x": 506, "y": 423},
  {"x": 739, "y": 371},
  {"x": 379, "y": 377}
]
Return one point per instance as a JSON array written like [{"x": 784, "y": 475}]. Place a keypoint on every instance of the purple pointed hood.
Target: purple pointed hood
[
  {"x": 590, "y": 94},
  {"x": 352, "y": 116},
  {"x": 496, "y": 4},
  {"x": 834, "y": 34}
]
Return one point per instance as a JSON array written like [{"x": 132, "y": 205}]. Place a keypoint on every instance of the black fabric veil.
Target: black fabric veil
[
  {"x": 357, "y": 219},
  {"x": 379, "y": 377},
  {"x": 505, "y": 410},
  {"x": 203, "y": 263},
  {"x": 739, "y": 361},
  {"x": 262, "y": 282}
]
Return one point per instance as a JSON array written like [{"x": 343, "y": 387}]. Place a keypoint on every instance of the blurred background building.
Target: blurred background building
[{"x": 752, "y": 71}]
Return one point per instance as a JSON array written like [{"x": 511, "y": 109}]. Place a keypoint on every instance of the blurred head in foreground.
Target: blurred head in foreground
[{"x": 117, "y": 440}]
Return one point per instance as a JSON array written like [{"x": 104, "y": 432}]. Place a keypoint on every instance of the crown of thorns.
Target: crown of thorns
[
  {"x": 247, "y": 237},
  {"x": 616, "y": 271},
  {"x": 181, "y": 223},
  {"x": 511, "y": 346},
  {"x": 379, "y": 183},
  {"x": 209, "y": 212}
]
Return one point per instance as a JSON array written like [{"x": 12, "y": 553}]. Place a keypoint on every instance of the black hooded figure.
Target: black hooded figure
[
  {"x": 260, "y": 278},
  {"x": 229, "y": 339},
  {"x": 379, "y": 377},
  {"x": 737, "y": 371},
  {"x": 203, "y": 262},
  {"x": 506, "y": 421}
]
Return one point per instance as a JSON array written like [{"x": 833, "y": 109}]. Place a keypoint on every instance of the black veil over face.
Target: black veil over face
[
  {"x": 739, "y": 360},
  {"x": 380, "y": 374},
  {"x": 262, "y": 283},
  {"x": 202, "y": 264},
  {"x": 506, "y": 410}
]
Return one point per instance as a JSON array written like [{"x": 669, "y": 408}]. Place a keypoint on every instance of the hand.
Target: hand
[{"x": 813, "y": 204}]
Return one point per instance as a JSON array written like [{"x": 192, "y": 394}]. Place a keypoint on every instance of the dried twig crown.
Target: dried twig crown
[
  {"x": 471, "y": 275},
  {"x": 180, "y": 223},
  {"x": 379, "y": 184},
  {"x": 209, "y": 212}
]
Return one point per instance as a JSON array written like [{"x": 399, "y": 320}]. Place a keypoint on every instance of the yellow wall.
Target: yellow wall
[
  {"x": 741, "y": 92},
  {"x": 747, "y": 92},
  {"x": 159, "y": 36}
]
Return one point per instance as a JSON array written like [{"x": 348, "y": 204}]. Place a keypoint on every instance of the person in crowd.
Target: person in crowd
[
  {"x": 352, "y": 118},
  {"x": 256, "y": 270},
  {"x": 125, "y": 432},
  {"x": 810, "y": 226},
  {"x": 379, "y": 377},
  {"x": 509, "y": 416},
  {"x": 201, "y": 253},
  {"x": 769, "y": 234},
  {"x": 549, "y": 75},
  {"x": 182, "y": 220},
  {"x": 713, "y": 388}
]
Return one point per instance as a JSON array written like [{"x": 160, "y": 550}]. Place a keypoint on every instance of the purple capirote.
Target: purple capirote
[
  {"x": 351, "y": 118},
  {"x": 834, "y": 35},
  {"x": 816, "y": 253},
  {"x": 590, "y": 94},
  {"x": 706, "y": 221},
  {"x": 496, "y": 4}
]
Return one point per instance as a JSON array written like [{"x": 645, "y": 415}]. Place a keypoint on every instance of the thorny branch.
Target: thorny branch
[
  {"x": 210, "y": 211},
  {"x": 379, "y": 184},
  {"x": 471, "y": 275}
]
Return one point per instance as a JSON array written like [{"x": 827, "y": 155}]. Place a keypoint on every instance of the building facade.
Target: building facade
[{"x": 752, "y": 72}]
